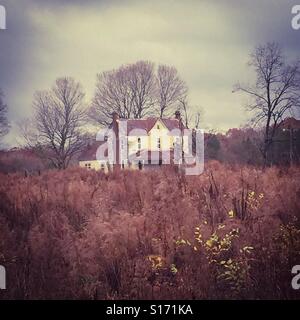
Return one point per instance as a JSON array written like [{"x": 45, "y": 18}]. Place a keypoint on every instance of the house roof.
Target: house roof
[
  {"x": 290, "y": 123},
  {"x": 89, "y": 154},
  {"x": 148, "y": 124}
]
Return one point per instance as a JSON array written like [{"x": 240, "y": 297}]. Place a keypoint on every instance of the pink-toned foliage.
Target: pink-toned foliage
[
  {"x": 20, "y": 160},
  {"x": 80, "y": 234}
]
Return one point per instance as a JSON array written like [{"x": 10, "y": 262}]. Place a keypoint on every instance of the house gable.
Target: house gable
[{"x": 159, "y": 126}]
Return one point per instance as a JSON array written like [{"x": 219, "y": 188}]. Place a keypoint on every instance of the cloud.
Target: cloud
[{"x": 208, "y": 41}]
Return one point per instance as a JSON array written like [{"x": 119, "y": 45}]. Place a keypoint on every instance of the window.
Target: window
[
  {"x": 88, "y": 165},
  {"x": 158, "y": 143},
  {"x": 158, "y": 127},
  {"x": 102, "y": 166},
  {"x": 139, "y": 144}
]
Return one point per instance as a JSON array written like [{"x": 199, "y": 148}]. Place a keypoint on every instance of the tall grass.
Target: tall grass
[{"x": 232, "y": 232}]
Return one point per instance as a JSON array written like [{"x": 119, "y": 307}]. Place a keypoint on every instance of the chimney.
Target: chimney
[
  {"x": 115, "y": 127},
  {"x": 177, "y": 115},
  {"x": 115, "y": 117}
]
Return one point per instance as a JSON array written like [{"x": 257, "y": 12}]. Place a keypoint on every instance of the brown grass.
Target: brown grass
[{"x": 232, "y": 232}]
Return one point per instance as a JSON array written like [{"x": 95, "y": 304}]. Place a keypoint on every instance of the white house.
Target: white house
[{"x": 138, "y": 143}]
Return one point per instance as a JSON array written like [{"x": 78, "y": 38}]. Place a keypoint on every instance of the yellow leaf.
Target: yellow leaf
[{"x": 231, "y": 213}]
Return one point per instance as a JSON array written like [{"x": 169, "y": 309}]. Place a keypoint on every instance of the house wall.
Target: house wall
[
  {"x": 150, "y": 141},
  {"x": 94, "y": 165}
]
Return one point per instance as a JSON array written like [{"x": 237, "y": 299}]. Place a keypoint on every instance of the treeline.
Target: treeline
[
  {"x": 244, "y": 147},
  {"x": 237, "y": 147}
]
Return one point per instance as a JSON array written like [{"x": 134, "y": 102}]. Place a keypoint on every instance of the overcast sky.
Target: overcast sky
[{"x": 208, "y": 41}]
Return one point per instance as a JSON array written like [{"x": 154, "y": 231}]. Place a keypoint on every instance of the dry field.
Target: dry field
[{"x": 232, "y": 232}]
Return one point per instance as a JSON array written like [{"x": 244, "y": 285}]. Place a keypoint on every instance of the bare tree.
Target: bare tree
[
  {"x": 191, "y": 115},
  {"x": 275, "y": 93},
  {"x": 112, "y": 95},
  {"x": 142, "y": 86},
  {"x": 134, "y": 91},
  {"x": 56, "y": 131},
  {"x": 4, "y": 127},
  {"x": 197, "y": 118},
  {"x": 170, "y": 89},
  {"x": 129, "y": 91},
  {"x": 183, "y": 106}
]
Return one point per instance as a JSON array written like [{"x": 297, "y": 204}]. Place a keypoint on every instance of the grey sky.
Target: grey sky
[{"x": 208, "y": 41}]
